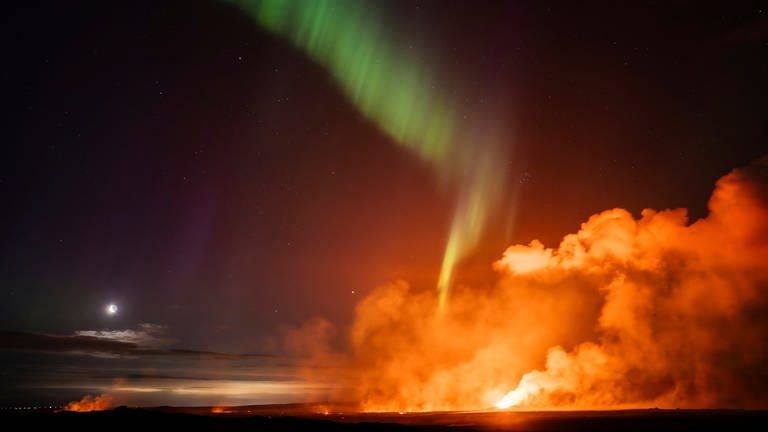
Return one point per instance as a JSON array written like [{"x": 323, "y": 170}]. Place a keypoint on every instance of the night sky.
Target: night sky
[{"x": 216, "y": 184}]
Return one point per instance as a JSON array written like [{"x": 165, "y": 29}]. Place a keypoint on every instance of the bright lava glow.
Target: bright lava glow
[
  {"x": 517, "y": 396},
  {"x": 111, "y": 309}
]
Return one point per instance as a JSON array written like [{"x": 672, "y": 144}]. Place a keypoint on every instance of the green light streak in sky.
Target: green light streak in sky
[
  {"x": 391, "y": 85},
  {"x": 388, "y": 87}
]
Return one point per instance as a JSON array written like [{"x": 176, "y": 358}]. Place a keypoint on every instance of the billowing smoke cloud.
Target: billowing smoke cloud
[
  {"x": 89, "y": 403},
  {"x": 626, "y": 312}
]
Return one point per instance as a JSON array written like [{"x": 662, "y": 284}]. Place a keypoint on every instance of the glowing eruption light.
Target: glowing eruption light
[
  {"x": 627, "y": 312},
  {"x": 518, "y": 395},
  {"x": 391, "y": 85},
  {"x": 89, "y": 403}
]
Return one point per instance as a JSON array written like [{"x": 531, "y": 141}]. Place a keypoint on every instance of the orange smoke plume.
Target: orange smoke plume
[
  {"x": 88, "y": 403},
  {"x": 648, "y": 312}
]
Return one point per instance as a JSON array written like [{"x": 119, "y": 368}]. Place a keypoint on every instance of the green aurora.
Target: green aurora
[{"x": 391, "y": 84}]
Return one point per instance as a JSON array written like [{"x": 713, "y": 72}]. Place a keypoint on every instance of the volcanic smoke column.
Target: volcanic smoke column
[{"x": 392, "y": 85}]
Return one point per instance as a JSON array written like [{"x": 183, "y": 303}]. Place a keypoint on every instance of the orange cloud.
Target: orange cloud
[
  {"x": 89, "y": 403},
  {"x": 625, "y": 312}
]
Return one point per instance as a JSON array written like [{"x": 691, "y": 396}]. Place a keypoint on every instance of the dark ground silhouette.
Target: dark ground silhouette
[{"x": 293, "y": 419}]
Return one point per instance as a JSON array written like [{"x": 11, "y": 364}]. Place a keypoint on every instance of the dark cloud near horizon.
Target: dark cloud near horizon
[{"x": 99, "y": 346}]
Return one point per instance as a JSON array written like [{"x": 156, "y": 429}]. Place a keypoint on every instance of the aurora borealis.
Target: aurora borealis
[
  {"x": 386, "y": 82},
  {"x": 207, "y": 202},
  {"x": 395, "y": 86}
]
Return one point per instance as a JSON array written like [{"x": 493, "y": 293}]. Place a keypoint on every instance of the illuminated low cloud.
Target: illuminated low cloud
[
  {"x": 52, "y": 369},
  {"x": 147, "y": 335}
]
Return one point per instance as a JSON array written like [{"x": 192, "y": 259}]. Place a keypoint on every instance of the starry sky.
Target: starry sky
[{"x": 216, "y": 184}]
